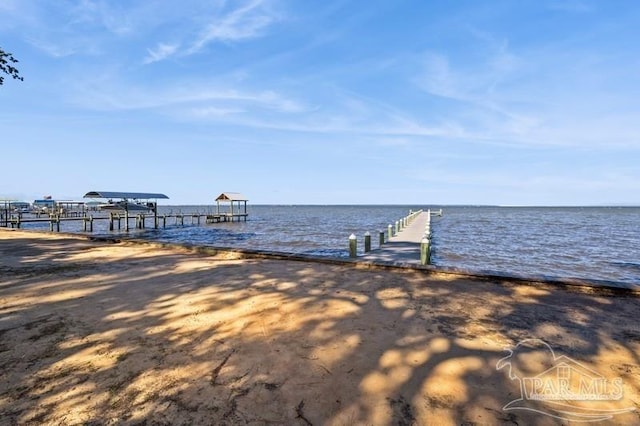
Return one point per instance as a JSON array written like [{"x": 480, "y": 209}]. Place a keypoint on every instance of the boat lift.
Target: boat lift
[{"x": 129, "y": 201}]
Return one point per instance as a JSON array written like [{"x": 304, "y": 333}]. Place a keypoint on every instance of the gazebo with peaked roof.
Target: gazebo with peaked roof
[{"x": 231, "y": 198}]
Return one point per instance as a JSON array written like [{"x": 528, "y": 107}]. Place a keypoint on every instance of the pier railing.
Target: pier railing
[
  {"x": 383, "y": 235},
  {"x": 394, "y": 229},
  {"x": 117, "y": 219}
]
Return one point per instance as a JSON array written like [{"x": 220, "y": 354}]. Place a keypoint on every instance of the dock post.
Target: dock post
[
  {"x": 425, "y": 251},
  {"x": 51, "y": 221},
  {"x": 390, "y": 231},
  {"x": 58, "y": 224},
  {"x": 119, "y": 222},
  {"x": 353, "y": 246},
  {"x": 397, "y": 227},
  {"x": 84, "y": 224},
  {"x": 381, "y": 238},
  {"x": 367, "y": 242},
  {"x": 126, "y": 220},
  {"x": 155, "y": 215},
  {"x": 143, "y": 220},
  {"x": 91, "y": 223},
  {"x": 164, "y": 220},
  {"x": 18, "y": 223}
]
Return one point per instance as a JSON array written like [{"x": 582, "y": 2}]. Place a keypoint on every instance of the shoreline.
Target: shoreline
[
  {"x": 106, "y": 332},
  {"x": 595, "y": 284},
  {"x": 586, "y": 245}
]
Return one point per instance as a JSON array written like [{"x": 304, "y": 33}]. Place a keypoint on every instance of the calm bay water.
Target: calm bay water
[{"x": 580, "y": 242}]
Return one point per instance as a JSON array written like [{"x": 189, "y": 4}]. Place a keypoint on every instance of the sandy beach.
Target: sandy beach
[{"x": 119, "y": 333}]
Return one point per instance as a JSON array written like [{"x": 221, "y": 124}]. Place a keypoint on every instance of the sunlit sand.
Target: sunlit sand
[{"x": 127, "y": 333}]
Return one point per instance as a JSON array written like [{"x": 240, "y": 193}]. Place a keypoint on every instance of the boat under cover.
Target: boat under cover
[{"x": 127, "y": 206}]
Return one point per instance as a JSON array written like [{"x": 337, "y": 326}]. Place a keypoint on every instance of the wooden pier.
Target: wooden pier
[
  {"x": 226, "y": 217},
  {"x": 122, "y": 221},
  {"x": 127, "y": 206},
  {"x": 411, "y": 242}
]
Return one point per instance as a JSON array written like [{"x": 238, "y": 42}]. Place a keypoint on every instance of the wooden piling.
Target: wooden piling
[
  {"x": 425, "y": 251},
  {"x": 353, "y": 246},
  {"x": 155, "y": 215},
  {"x": 367, "y": 242}
]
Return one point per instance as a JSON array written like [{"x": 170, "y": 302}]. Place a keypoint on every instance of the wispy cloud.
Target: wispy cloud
[
  {"x": 210, "y": 111},
  {"x": 543, "y": 96},
  {"x": 55, "y": 49},
  {"x": 160, "y": 52},
  {"x": 239, "y": 22},
  {"x": 203, "y": 99},
  {"x": 64, "y": 28},
  {"x": 59, "y": 28},
  {"x": 475, "y": 84},
  {"x": 329, "y": 110},
  {"x": 245, "y": 22}
]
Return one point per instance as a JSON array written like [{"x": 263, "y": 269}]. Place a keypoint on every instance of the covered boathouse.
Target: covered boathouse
[{"x": 228, "y": 213}]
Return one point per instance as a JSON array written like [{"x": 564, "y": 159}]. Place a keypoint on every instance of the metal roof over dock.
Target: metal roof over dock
[
  {"x": 231, "y": 196},
  {"x": 134, "y": 195}
]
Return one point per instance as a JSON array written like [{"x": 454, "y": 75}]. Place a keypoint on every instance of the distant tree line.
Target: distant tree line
[{"x": 6, "y": 66}]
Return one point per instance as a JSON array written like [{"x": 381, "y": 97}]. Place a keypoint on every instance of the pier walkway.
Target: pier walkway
[{"x": 403, "y": 247}]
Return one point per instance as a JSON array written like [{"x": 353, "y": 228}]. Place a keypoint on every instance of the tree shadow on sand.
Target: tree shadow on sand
[{"x": 139, "y": 335}]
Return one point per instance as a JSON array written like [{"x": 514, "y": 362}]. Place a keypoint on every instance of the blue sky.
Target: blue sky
[{"x": 324, "y": 102}]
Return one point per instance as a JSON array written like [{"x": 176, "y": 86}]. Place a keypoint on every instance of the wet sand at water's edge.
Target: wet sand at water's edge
[{"x": 99, "y": 333}]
